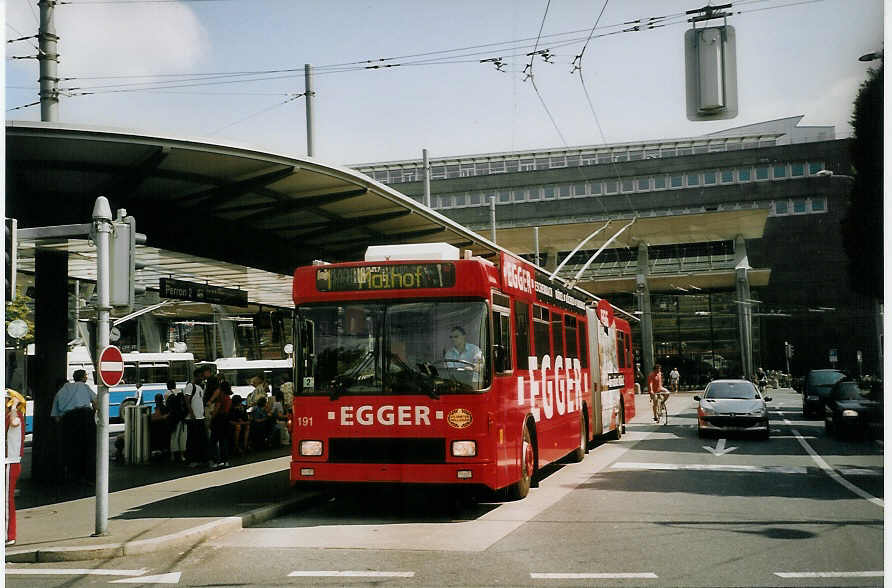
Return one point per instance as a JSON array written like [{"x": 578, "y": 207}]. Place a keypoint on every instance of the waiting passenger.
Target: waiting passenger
[
  {"x": 177, "y": 411},
  {"x": 239, "y": 425},
  {"x": 159, "y": 430},
  {"x": 259, "y": 391}
]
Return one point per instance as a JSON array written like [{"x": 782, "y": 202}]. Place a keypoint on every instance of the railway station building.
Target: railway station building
[{"x": 736, "y": 229}]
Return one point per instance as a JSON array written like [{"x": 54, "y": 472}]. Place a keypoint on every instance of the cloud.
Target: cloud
[{"x": 118, "y": 39}]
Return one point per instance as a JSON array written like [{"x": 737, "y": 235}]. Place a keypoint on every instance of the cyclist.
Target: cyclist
[
  {"x": 761, "y": 380},
  {"x": 656, "y": 390}
]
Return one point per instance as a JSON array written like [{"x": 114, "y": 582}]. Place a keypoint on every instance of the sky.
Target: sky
[{"x": 794, "y": 57}]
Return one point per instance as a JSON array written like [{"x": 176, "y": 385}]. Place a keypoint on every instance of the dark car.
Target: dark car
[
  {"x": 732, "y": 405},
  {"x": 816, "y": 389},
  {"x": 848, "y": 412}
]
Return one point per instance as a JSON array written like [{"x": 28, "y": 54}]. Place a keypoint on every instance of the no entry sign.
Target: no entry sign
[{"x": 111, "y": 366}]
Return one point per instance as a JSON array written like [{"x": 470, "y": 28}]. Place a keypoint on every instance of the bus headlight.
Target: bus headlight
[
  {"x": 464, "y": 448},
  {"x": 850, "y": 414},
  {"x": 311, "y": 447}
]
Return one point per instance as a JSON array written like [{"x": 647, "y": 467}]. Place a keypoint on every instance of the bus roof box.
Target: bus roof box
[{"x": 412, "y": 251}]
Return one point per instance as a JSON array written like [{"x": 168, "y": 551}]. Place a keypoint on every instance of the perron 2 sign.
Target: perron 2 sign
[{"x": 182, "y": 290}]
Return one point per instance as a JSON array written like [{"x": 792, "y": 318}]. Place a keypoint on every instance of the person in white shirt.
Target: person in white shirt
[
  {"x": 468, "y": 355},
  {"x": 674, "y": 378},
  {"x": 196, "y": 435}
]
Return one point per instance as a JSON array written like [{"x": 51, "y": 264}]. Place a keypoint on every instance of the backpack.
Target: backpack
[{"x": 176, "y": 405}]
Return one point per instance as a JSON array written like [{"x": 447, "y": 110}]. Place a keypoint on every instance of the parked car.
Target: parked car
[
  {"x": 849, "y": 412},
  {"x": 732, "y": 405},
  {"x": 816, "y": 389}
]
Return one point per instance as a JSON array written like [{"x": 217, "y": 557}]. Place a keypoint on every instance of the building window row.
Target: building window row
[
  {"x": 534, "y": 162},
  {"x": 692, "y": 179},
  {"x": 791, "y": 206}
]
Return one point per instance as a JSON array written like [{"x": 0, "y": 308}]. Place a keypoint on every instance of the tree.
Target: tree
[
  {"x": 862, "y": 228},
  {"x": 19, "y": 309}
]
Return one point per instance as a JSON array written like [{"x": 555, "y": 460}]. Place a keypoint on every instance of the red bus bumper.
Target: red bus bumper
[{"x": 446, "y": 473}]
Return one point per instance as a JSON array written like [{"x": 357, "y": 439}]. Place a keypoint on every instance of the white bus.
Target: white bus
[{"x": 239, "y": 371}]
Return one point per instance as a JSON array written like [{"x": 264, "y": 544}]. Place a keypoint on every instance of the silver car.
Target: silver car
[{"x": 732, "y": 405}]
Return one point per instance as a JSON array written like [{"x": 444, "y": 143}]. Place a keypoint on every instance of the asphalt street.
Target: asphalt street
[{"x": 661, "y": 507}]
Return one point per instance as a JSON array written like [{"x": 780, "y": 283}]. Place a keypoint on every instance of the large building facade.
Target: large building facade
[{"x": 713, "y": 300}]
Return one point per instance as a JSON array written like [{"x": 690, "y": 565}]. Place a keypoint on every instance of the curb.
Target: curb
[{"x": 186, "y": 538}]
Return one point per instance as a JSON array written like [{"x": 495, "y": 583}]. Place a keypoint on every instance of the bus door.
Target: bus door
[
  {"x": 511, "y": 436},
  {"x": 594, "y": 357}
]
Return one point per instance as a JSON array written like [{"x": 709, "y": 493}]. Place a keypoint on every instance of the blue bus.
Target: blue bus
[{"x": 145, "y": 374}]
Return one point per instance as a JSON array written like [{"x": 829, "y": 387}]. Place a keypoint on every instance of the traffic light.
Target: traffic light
[
  {"x": 10, "y": 257},
  {"x": 121, "y": 262}
]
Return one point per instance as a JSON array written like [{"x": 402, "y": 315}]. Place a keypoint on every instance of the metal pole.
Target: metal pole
[
  {"x": 425, "y": 163},
  {"x": 492, "y": 216},
  {"x": 102, "y": 219},
  {"x": 308, "y": 99},
  {"x": 49, "y": 62},
  {"x": 536, "y": 240}
]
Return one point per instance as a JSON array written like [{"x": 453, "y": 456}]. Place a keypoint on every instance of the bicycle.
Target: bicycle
[{"x": 662, "y": 411}]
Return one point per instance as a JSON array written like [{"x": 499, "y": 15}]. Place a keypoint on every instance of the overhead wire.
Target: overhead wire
[
  {"x": 259, "y": 112},
  {"x": 530, "y": 77},
  {"x": 23, "y": 37},
  {"x": 577, "y": 67}
]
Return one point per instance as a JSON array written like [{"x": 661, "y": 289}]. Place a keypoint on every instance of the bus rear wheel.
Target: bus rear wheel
[
  {"x": 620, "y": 423},
  {"x": 527, "y": 467},
  {"x": 580, "y": 451}
]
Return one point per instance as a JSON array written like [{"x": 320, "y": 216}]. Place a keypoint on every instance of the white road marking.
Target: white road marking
[
  {"x": 591, "y": 576},
  {"x": 719, "y": 448},
  {"x": 831, "y": 472},
  {"x": 630, "y": 465},
  {"x": 70, "y": 572},
  {"x": 829, "y": 574},
  {"x": 859, "y": 472},
  {"x": 169, "y": 578},
  {"x": 348, "y": 574}
]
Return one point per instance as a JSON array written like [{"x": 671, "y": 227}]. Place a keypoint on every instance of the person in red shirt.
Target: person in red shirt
[
  {"x": 15, "y": 448},
  {"x": 655, "y": 388}
]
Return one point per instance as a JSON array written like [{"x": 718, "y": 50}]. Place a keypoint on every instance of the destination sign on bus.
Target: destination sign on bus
[{"x": 409, "y": 276}]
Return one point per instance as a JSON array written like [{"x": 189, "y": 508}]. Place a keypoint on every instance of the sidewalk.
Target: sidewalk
[{"x": 151, "y": 507}]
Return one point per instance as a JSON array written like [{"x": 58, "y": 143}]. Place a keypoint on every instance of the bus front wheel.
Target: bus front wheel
[{"x": 527, "y": 467}]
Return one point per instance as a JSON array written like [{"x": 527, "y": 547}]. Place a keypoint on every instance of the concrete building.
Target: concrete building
[{"x": 737, "y": 238}]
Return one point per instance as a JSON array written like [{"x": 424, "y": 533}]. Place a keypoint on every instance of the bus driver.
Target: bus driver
[{"x": 468, "y": 355}]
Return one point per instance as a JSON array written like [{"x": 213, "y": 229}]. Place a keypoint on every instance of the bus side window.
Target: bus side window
[
  {"x": 522, "y": 333},
  {"x": 583, "y": 346},
  {"x": 501, "y": 332},
  {"x": 541, "y": 331},
  {"x": 620, "y": 349},
  {"x": 501, "y": 341},
  {"x": 570, "y": 324},
  {"x": 557, "y": 332}
]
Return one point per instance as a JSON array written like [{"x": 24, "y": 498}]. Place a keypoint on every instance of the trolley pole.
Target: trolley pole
[
  {"x": 102, "y": 224},
  {"x": 49, "y": 62},
  {"x": 492, "y": 216},
  {"x": 426, "y": 166},
  {"x": 536, "y": 239},
  {"x": 308, "y": 99}
]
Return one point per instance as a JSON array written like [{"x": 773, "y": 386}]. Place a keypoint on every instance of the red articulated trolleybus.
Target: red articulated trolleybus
[{"x": 416, "y": 366}]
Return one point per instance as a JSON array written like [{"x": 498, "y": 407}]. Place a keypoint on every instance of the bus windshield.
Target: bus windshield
[{"x": 431, "y": 348}]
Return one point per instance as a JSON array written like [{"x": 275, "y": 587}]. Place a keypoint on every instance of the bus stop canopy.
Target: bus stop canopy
[
  {"x": 242, "y": 218},
  {"x": 229, "y": 215}
]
